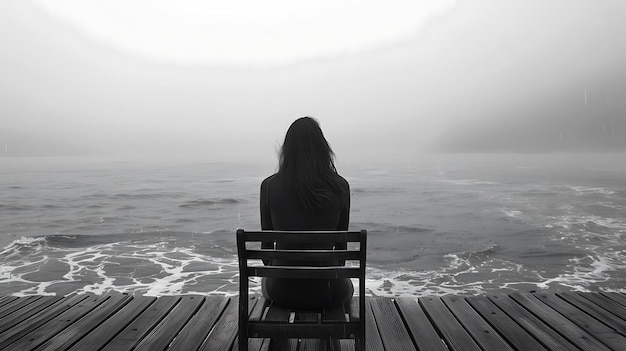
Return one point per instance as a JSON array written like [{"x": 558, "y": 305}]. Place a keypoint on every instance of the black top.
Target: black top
[{"x": 282, "y": 210}]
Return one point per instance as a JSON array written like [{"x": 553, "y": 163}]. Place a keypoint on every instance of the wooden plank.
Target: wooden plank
[
  {"x": 372, "y": 336},
  {"x": 606, "y": 317},
  {"x": 606, "y": 303},
  {"x": 313, "y": 345},
  {"x": 284, "y": 344},
  {"x": 336, "y": 314},
  {"x": 322, "y": 345},
  {"x": 352, "y": 308},
  {"x": 163, "y": 333},
  {"x": 456, "y": 337},
  {"x": 296, "y": 272},
  {"x": 58, "y": 323},
  {"x": 423, "y": 333},
  {"x": 478, "y": 328},
  {"x": 512, "y": 332},
  {"x": 304, "y": 331},
  {"x": 254, "y": 344},
  {"x": 5, "y": 300},
  {"x": 346, "y": 345},
  {"x": 277, "y": 313},
  {"x": 17, "y": 304},
  {"x": 128, "y": 338},
  {"x": 303, "y": 237},
  {"x": 70, "y": 335},
  {"x": 114, "y": 324},
  {"x": 524, "y": 321},
  {"x": 569, "y": 330},
  {"x": 306, "y": 316},
  {"x": 260, "y": 304},
  {"x": 599, "y": 330},
  {"x": 533, "y": 325},
  {"x": 38, "y": 319},
  {"x": 225, "y": 331},
  {"x": 303, "y": 255},
  {"x": 199, "y": 326},
  {"x": 390, "y": 325},
  {"x": 33, "y": 308},
  {"x": 617, "y": 297}
]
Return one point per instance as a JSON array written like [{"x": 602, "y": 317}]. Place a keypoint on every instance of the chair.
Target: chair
[{"x": 265, "y": 320}]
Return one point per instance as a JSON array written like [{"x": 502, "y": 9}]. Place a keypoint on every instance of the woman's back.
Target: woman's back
[
  {"x": 305, "y": 194},
  {"x": 281, "y": 209}
]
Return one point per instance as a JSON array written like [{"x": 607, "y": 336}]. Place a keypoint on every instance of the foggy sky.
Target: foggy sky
[{"x": 544, "y": 66}]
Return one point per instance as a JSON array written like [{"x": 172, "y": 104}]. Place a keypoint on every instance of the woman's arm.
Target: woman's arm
[
  {"x": 344, "y": 216},
  {"x": 266, "y": 215}
]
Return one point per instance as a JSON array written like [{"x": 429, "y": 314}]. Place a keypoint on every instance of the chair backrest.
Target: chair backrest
[{"x": 256, "y": 247}]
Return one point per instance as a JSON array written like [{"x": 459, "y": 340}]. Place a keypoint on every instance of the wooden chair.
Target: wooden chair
[{"x": 265, "y": 320}]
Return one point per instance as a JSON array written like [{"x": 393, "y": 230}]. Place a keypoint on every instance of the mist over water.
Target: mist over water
[{"x": 457, "y": 76}]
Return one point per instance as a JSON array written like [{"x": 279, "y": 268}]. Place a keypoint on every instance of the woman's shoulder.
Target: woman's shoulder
[
  {"x": 344, "y": 183},
  {"x": 266, "y": 182},
  {"x": 268, "y": 179}
]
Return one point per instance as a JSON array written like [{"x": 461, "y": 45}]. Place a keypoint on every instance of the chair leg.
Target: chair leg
[
  {"x": 243, "y": 343},
  {"x": 360, "y": 344}
]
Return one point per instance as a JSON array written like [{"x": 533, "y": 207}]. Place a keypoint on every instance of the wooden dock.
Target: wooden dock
[{"x": 519, "y": 321}]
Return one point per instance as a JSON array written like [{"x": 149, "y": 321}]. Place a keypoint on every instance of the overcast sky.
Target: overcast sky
[{"x": 223, "y": 81}]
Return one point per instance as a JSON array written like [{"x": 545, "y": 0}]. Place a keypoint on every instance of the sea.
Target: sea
[{"x": 439, "y": 224}]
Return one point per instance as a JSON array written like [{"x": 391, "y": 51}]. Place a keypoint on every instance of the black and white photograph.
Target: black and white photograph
[{"x": 313, "y": 175}]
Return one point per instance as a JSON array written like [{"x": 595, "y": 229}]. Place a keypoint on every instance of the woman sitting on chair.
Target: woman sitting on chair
[{"x": 305, "y": 194}]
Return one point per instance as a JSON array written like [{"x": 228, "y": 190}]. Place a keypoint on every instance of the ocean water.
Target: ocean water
[{"x": 462, "y": 224}]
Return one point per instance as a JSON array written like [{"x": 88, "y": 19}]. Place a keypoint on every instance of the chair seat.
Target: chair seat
[{"x": 328, "y": 322}]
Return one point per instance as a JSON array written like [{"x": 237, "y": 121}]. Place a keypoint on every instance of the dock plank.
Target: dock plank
[
  {"x": 577, "y": 336},
  {"x": 518, "y": 321},
  {"x": 456, "y": 337},
  {"x": 514, "y": 334},
  {"x": 372, "y": 335},
  {"x": 17, "y": 304},
  {"x": 163, "y": 333},
  {"x": 199, "y": 326},
  {"x": 70, "y": 335},
  {"x": 9, "y": 321},
  {"x": 57, "y": 324},
  {"x": 478, "y": 328},
  {"x": 599, "y": 330},
  {"x": 617, "y": 297},
  {"x": 595, "y": 311},
  {"x": 5, "y": 300},
  {"x": 110, "y": 328},
  {"x": 390, "y": 325},
  {"x": 607, "y": 304},
  {"x": 134, "y": 332},
  {"x": 26, "y": 326},
  {"x": 223, "y": 335},
  {"x": 418, "y": 324},
  {"x": 547, "y": 336}
]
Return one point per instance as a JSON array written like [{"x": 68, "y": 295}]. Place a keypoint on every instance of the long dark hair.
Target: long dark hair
[{"x": 306, "y": 164}]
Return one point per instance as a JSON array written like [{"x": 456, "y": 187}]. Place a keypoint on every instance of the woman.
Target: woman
[{"x": 305, "y": 194}]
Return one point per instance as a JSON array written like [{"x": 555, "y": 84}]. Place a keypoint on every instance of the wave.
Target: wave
[
  {"x": 468, "y": 182},
  {"x": 11, "y": 207},
  {"x": 206, "y": 202},
  {"x": 582, "y": 190},
  {"x": 382, "y": 228}
]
